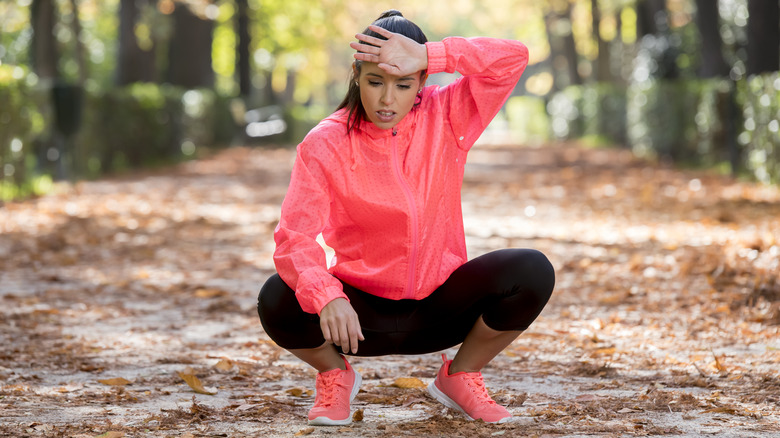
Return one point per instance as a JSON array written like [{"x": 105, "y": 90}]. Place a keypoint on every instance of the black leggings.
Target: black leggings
[{"x": 508, "y": 287}]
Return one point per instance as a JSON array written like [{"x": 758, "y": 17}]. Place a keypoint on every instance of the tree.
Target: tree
[
  {"x": 603, "y": 59},
  {"x": 189, "y": 52},
  {"x": 135, "y": 64},
  {"x": 763, "y": 36},
  {"x": 655, "y": 37},
  {"x": 713, "y": 63},
  {"x": 563, "y": 51},
  {"x": 44, "y": 53},
  {"x": 79, "y": 46},
  {"x": 242, "y": 48}
]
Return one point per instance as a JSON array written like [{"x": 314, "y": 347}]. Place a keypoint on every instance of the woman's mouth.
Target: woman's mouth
[{"x": 385, "y": 116}]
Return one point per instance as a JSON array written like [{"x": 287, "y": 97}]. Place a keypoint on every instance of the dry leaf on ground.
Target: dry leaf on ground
[
  {"x": 195, "y": 384},
  {"x": 408, "y": 383},
  {"x": 116, "y": 381}
]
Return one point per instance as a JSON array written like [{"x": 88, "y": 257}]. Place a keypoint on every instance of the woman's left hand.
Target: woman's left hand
[{"x": 398, "y": 55}]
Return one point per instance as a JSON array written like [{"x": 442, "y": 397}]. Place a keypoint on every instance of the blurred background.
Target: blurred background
[{"x": 91, "y": 87}]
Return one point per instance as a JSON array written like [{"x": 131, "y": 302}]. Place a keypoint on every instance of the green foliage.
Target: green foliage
[
  {"x": 714, "y": 119},
  {"x": 20, "y": 124},
  {"x": 131, "y": 127},
  {"x": 759, "y": 98},
  {"x": 148, "y": 124},
  {"x": 660, "y": 118},
  {"x": 593, "y": 110},
  {"x": 527, "y": 120},
  {"x": 702, "y": 122}
]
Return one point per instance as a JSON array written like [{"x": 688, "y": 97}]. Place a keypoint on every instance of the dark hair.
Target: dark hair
[{"x": 395, "y": 22}]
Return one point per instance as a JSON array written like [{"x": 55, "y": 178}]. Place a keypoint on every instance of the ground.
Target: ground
[{"x": 128, "y": 305}]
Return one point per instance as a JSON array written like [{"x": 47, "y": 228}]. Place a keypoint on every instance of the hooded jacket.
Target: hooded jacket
[{"x": 388, "y": 200}]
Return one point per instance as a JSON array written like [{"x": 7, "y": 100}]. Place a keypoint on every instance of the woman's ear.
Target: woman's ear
[
  {"x": 423, "y": 78},
  {"x": 355, "y": 71}
]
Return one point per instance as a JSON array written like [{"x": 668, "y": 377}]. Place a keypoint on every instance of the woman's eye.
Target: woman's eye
[
  {"x": 374, "y": 83},
  {"x": 404, "y": 87}
]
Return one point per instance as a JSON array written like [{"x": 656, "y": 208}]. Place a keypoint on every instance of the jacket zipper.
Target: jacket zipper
[{"x": 409, "y": 293}]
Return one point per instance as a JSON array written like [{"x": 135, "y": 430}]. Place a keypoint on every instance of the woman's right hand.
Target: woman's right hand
[
  {"x": 397, "y": 55},
  {"x": 340, "y": 325}
]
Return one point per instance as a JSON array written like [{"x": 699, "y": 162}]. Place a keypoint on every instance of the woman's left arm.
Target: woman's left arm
[{"x": 490, "y": 67}]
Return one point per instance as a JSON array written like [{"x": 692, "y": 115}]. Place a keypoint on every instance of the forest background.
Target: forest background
[{"x": 91, "y": 87}]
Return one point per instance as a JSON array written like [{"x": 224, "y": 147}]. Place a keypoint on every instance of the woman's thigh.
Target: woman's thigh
[{"x": 508, "y": 288}]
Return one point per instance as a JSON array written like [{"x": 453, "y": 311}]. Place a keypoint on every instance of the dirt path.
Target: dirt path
[{"x": 665, "y": 319}]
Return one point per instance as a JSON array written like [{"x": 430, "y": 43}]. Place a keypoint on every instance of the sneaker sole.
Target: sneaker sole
[
  {"x": 325, "y": 421},
  {"x": 436, "y": 393}
]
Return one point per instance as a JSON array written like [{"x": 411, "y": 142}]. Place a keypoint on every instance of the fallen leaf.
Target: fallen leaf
[
  {"x": 721, "y": 410},
  {"x": 306, "y": 431},
  {"x": 408, "y": 383},
  {"x": 111, "y": 434},
  {"x": 209, "y": 293},
  {"x": 412, "y": 399},
  {"x": 604, "y": 351},
  {"x": 719, "y": 365},
  {"x": 224, "y": 365},
  {"x": 116, "y": 381},
  {"x": 195, "y": 384},
  {"x": 70, "y": 388},
  {"x": 358, "y": 415},
  {"x": 299, "y": 392}
]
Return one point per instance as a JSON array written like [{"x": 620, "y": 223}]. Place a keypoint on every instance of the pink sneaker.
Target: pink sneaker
[
  {"x": 335, "y": 389},
  {"x": 466, "y": 393}
]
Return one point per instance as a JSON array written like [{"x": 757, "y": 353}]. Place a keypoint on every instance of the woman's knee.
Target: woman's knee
[
  {"x": 539, "y": 264},
  {"x": 271, "y": 296},
  {"x": 525, "y": 263}
]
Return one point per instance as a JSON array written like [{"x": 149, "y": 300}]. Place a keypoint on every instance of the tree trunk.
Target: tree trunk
[
  {"x": 708, "y": 20},
  {"x": 44, "y": 53},
  {"x": 602, "y": 64},
  {"x": 570, "y": 51},
  {"x": 763, "y": 32},
  {"x": 134, "y": 64},
  {"x": 651, "y": 17},
  {"x": 563, "y": 52},
  {"x": 242, "y": 48},
  {"x": 190, "y": 50},
  {"x": 653, "y": 20},
  {"x": 80, "y": 60}
]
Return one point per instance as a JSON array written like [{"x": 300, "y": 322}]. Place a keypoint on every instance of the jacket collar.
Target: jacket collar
[{"x": 404, "y": 126}]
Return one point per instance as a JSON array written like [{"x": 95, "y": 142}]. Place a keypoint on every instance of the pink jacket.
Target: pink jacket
[{"x": 388, "y": 201}]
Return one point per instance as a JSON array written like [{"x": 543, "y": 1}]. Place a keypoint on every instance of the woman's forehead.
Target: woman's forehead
[{"x": 372, "y": 69}]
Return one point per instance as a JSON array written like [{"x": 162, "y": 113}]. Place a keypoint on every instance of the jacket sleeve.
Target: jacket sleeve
[
  {"x": 490, "y": 68},
  {"x": 299, "y": 258}
]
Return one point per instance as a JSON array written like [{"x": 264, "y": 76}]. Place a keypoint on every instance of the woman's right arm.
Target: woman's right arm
[{"x": 299, "y": 258}]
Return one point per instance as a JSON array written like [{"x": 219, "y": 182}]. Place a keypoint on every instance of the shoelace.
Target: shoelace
[
  {"x": 477, "y": 385},
  {"x": 328, "y": 389}
]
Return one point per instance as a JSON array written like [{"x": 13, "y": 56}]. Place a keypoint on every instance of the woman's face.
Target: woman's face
[{"x": 387, "y": 98}]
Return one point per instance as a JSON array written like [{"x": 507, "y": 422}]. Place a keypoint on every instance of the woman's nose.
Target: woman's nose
[{"x": 387, "y": 96}]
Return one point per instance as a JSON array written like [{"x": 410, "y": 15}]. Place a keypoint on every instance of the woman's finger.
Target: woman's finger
[
  {"x": 353, "y": 340},
  {"x": 374, "y": 41},
  {"x": 381, "y": 31},
  {"x": 326, "y": 332},
  {"x": 344, "y": 336},
  {"x": 364, "y": 48},
  {"x": 366, "y": 57}
]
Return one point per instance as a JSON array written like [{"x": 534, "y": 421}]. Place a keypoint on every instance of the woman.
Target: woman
[{"x": 380, "y": 179}]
